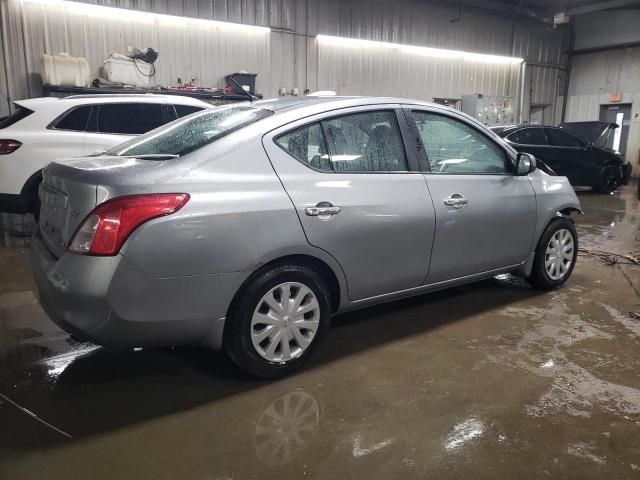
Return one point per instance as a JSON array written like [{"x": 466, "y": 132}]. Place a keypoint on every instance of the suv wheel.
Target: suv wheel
[
  {"x": 278, "y": 322},
  {"x": 555, "y": 256},
  {"x": 608, "y": 180}
]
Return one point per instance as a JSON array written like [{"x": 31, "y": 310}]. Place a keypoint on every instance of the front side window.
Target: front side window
[
  {"x": 359, "y": 142},
  {"x": 558, "y": 138},
  {"x": 128, "y": 118},
  {"x": 191, "y": 133},
  {"x": 75, "y": 120},
  {"x": 455, "y": 147},
  {"x": 529, "y": 136}
]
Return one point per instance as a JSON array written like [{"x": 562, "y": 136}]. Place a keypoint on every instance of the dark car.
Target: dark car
[{"x": 576, "y": 150}]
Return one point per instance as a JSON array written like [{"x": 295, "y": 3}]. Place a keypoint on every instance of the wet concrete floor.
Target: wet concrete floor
[{"x": 492, "y": 380}]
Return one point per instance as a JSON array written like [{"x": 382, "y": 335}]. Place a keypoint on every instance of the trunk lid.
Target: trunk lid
[
  {"x": 65, "y": 200},
  {"x": 596, "y": 133},
  {"x": 71, "y": 188}
]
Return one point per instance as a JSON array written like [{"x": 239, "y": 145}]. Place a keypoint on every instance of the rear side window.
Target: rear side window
[
  {"x": 20, "y": 114},
  {"x": 529, "y": 136},
  {"x": 559, "y": 138},
  {"x": 184, "y": 110},
  {"x": 127, "y": 118},
  {"x": 191, "y": 133},
  {"x": 307, "y": 145},
  {"x": 75, "y": 119},
  {"x": 360, "y": 142}
]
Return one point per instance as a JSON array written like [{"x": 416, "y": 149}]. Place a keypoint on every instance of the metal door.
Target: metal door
[
  {"x": 484, "y": 221},
  {"x": 378, "y": 226},
  {"x": 620, "y": 114}
]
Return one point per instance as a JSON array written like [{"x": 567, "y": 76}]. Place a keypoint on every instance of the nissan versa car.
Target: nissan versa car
[
  {"x": 577, "y": 150},
  {"x": 246, "y": 227}
]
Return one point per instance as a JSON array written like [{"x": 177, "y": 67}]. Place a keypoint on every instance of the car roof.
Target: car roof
[
  {"x": 332, "y": 101},
  {"x": 66, "y": 102}
]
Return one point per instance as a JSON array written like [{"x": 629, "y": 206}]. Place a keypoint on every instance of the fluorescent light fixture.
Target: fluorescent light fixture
[
  {"x": 124, "y": 14},
  {"x": 428, "y": 51}
]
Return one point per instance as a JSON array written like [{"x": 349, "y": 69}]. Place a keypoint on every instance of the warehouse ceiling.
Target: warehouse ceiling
[{"x": 548, "y": 10}]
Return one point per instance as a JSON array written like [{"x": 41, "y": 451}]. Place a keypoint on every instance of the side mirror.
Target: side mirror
[{"x": 525, "y": 164}]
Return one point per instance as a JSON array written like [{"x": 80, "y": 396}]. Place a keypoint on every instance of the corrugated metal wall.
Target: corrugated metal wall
[{"x": 290, "y": 56}]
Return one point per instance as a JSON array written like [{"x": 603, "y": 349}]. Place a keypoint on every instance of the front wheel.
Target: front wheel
[
  {"x": 278, "y": 321},
  {"x": 608, "y": 180},
  {"x": 555, "y": 255}
]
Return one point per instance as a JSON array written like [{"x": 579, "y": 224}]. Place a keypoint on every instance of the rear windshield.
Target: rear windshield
[
  {"x": 15, "y": 117},
  {"x": 191, "y": 132}
]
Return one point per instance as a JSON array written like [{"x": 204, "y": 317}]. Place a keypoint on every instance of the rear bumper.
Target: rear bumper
[
  {"x": 110, "y": 301},
  {"x": 12, "y": 203}
]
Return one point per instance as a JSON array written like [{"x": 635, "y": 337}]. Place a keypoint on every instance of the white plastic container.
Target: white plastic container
[
  {"x": 63, "y": 69},
  {"x": 125, "y": 70}
]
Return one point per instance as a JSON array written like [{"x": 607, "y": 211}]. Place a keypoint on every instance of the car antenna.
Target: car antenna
[{"x": 251, "y": 96}]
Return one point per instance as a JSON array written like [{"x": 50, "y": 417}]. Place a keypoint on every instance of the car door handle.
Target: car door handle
[
  {"x": 456, "y": 201},
  {"x": 322, "y": 209}
]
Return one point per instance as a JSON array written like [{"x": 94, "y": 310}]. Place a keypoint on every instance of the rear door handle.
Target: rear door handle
[
  {"x": 456, "y": 201},
  {"x": 322, "y": 209}
]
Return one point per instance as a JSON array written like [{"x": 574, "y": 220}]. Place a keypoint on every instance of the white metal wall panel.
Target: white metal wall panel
[
  {"x": 290, "y": 57},
  {"x": 390, "y": 71},
  {"x": 186, "y": 50}
]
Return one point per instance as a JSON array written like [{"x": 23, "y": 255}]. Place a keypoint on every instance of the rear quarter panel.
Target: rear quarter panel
[{"x": 238, "y": 218}]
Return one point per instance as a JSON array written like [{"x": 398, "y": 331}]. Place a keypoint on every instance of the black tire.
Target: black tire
[
  {"x": 237, "y": 341},
  {"x": 539, "y": 279},
  {"x": 608, "y": 179}
]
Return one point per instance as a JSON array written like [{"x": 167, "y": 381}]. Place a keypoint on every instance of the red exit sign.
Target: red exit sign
[{"x": 615, "y": 97}]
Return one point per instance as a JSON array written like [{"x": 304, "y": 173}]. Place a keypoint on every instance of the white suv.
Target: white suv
[{"x": 43, "y": 129}]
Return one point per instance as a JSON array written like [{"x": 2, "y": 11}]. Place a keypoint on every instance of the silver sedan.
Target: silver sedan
[{"x": 248, "y": 226}]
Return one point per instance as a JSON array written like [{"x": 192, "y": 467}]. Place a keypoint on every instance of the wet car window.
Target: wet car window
[
  {"x": 369, "y": 142},
  {"x": 191, "y": 132},
  {"x": 529, "y": 136},
  {"x": 362, "y": 142},
  {"x": 307, "y": 145},
  {"x": 558, "y": 138},
  {"x": 454, "y": 147}
]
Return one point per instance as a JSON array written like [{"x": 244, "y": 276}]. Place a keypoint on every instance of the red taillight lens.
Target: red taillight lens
[
  {"x": 108, "y": 226},
  {"x": 9, "y": 146}
]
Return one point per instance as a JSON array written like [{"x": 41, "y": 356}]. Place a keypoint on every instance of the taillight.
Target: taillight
[
  {"x": 108, "y": 226},
  {"x": 9, "y": 146}
]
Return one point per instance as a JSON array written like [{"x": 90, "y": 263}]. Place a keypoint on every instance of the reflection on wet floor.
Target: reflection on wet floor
[{"x": 491, "y": 380}]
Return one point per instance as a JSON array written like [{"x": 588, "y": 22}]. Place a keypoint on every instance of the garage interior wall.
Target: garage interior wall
[
  {"x": 290, "y": 56},
  {"x": 613, "y": 66}
]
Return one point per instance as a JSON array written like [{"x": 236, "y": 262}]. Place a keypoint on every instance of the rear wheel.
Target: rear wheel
[
  {"x": 278, "y": 322},
  {"x": 608, "y": 179},
  {"x": 555, "y": 255}
]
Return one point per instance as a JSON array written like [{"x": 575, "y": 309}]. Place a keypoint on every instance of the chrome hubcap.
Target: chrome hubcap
[
  {"x": 285, "y": 322},
  {"x": 559, "y": 254}
]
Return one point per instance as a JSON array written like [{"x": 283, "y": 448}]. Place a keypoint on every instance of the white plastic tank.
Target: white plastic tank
[{"x": 65, "y": 70}]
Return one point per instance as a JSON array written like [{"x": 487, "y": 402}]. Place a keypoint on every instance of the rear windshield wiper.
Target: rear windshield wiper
[{"x": 153, "y": 156}]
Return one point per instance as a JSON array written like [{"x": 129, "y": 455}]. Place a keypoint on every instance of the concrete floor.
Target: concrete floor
[{"x": 492, "y": 380}]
